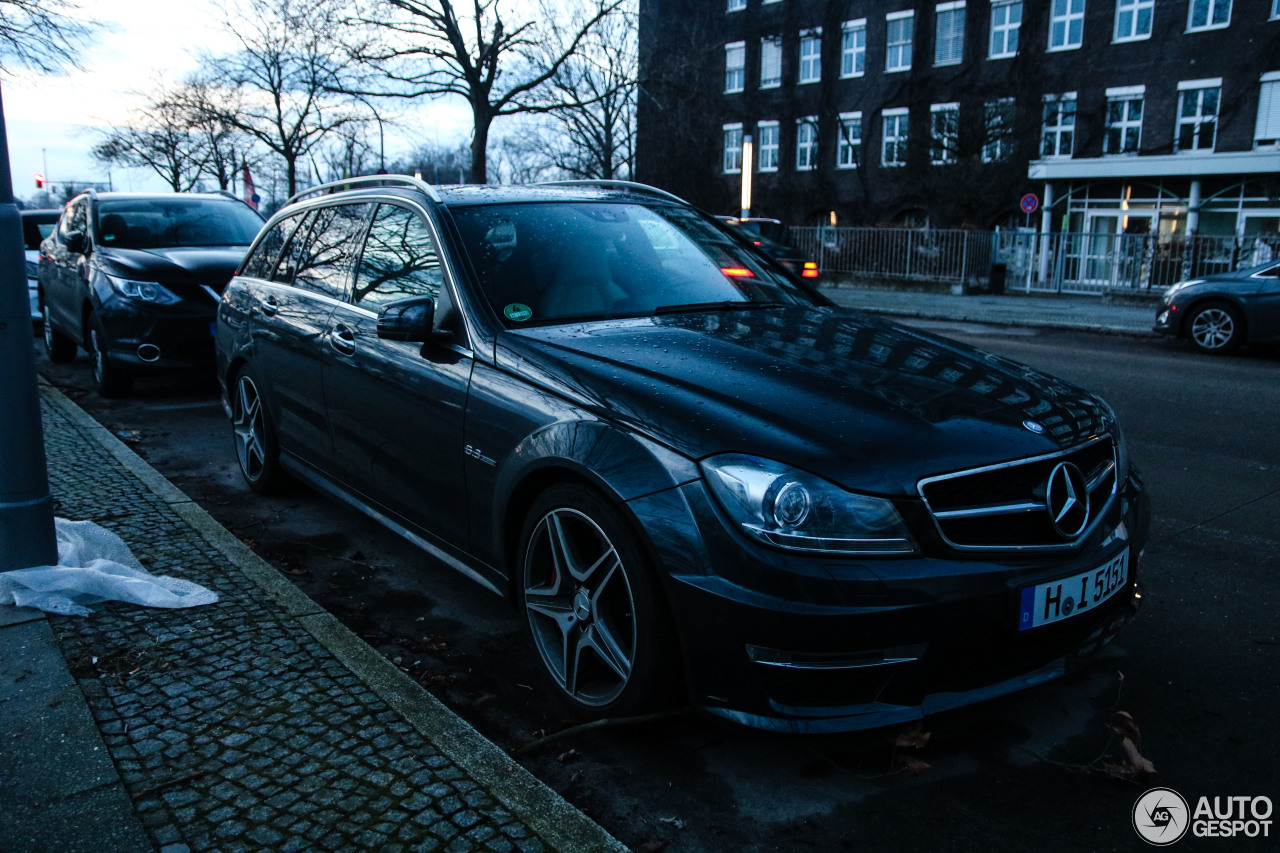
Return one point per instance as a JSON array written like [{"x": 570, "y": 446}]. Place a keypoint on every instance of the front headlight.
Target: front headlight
[
  {"x": 147, "y": 291},
  {"x": 788, "y": 508},
  {"x": 1168, "y": 294}
]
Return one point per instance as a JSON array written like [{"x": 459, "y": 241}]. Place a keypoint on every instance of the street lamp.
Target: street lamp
[{"x": 746, "y": 176}]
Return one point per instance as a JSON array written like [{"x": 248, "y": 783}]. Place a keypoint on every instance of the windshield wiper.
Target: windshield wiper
[{"x": 715, "y": 306}]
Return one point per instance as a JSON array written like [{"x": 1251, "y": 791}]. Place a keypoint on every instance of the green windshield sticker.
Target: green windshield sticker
[{"x": 517, "y": 313}]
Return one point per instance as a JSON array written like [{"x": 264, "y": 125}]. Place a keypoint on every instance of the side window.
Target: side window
[
  {"x": 400, "y": 260},
  {"x": 262, "y": 262},
  {"x": 324, "y": 263}
]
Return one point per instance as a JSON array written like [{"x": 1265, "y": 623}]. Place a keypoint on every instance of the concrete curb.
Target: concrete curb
[{"x": 558, "y": 823}]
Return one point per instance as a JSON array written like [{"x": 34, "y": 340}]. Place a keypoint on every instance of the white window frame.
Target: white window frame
[
  {"x": 731, "y": 157},
  {"x": 1125, "y": 95},
  {"x": 1131, "y": 12},
  {"x": 1211, "y": 8},
  {"x": 901, "y": 117},
  {"x": 996, "y": 148},
  {"x": 1008, "y": 32},
  {"x": 806, "y": 144},
  {"x": 810, "y": 68},
  {"x": 1200, "y": 119},
  {"x": 1275, "y": 10},
  {"x": 942, "y": 145},
  {"x": 770, "y": 49},
  {"x": 955, "y": 7},
  {"x": 737, "y": 5},
  {"x": 1064, "y": 20},
  {"x": 768, "y": 135},
  {"x": 848, "y": 147},
  {"x": 897, "y": 54},
  {"x": 1059, "y": 128},
  {"x": 1266, "y": 132},
  {"x": 735, "y": 76},
  {"x": 853, "y": 48}
]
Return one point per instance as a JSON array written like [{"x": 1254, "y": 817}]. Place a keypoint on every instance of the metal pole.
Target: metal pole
[{"x": 27, "y": 535}]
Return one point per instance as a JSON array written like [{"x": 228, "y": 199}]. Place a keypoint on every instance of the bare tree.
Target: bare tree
[
  {"x": 499, "y": 63},
  {"x": 160, "y": 138},
  {"x": 42, "y": 35},
  {"x": 435, "y": 163},
  {"x": 226, "y": 147},
  {"x": 288, "y": 73}
]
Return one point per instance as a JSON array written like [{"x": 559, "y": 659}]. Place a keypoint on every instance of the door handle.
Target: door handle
[
  {"x": 270, "y": 307},
  {"x": 342, "y": 339}
]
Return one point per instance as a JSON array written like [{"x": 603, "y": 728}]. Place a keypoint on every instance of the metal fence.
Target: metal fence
[{"x": 1029, "y": 261}]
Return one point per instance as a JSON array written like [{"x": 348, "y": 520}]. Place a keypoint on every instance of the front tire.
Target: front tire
[
  {"x": 110, "y": 380},
  {"x": 255, "y": 436},
  {"x": 59, "y": 347},
  {"x": 592, "y": 605},
  {"x": 1215, "y": 328}
]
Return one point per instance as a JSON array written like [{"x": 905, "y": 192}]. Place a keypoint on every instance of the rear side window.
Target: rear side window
[
  {"x": 400, "y": 260},
  {"x": 324, "y": 262},
  {"x": 262, "y": 262}
]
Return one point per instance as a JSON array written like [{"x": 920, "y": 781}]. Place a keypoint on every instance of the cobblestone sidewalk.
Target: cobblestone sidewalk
[{"x": 259, "y": 722}]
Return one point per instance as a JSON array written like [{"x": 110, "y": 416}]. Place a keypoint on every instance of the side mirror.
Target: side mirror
[
  {"x": 408, "y": 320},
  {"x": 75, "y": 242}
]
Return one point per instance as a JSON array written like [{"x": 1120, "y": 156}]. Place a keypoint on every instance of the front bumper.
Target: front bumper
[{"x": 811, "y": 644}]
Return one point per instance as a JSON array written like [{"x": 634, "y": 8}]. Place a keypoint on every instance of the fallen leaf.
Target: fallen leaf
[
  {"x": 1136, "y": 760},
  {"x": 914, "y": 737},
  {"x": 1124, "y": 725},
  {"x": 913, "y": 765}
]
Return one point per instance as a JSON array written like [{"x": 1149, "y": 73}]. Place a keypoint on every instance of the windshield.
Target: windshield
[
  {"x": 559, "y": 262},
  {"x": 174, "y": 221}
]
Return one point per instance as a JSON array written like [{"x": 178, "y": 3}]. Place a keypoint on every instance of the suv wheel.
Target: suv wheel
[
  {"x": 592, "y": 605},
  {"x": 59, "y": 347},
  {"x": 255, "y": 436},
  {"x": 111, "y": 381}
]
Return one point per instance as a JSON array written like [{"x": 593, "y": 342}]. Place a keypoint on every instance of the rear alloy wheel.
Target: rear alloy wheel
[
  {"x": 111, "y": 381},
  {"x": 59, "y": 347},
  {"x": 1215, "y": 328},
  {"x": 255, "y": 436},
  {"x": 592, "y": 605}
]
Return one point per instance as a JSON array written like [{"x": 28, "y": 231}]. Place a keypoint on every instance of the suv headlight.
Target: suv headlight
[
  {"x": 147, "y": 291},
  {"x": 792, "y": 509}
]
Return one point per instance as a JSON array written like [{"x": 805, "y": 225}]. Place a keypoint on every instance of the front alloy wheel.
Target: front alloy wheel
[
  {"x": 111, "y": 381},
  {"x": 591, "y": 604},
  {"x": 1216, "y": 328}
]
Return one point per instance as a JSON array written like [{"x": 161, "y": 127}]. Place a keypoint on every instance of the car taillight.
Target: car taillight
[{"x": 810, "y": 270}]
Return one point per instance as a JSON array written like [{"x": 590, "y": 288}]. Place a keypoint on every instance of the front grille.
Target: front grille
[{"x": 1004, "y": 507}]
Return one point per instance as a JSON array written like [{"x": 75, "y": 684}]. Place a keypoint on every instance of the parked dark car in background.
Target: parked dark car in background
[
  {"x": 1219, "y": 312},
  {"x": 134, "y": 279},
  {"x": 689, "y": 472},
  {"x": 36, "y": 226},
  {"x": 769, "y": 235}
]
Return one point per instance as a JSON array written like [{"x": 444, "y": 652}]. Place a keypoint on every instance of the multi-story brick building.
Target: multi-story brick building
[{"x": 1136, "y": 116}]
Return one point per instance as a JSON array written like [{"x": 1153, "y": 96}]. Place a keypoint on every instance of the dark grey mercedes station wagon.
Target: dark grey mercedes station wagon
[{"x": 688, "y": 471}]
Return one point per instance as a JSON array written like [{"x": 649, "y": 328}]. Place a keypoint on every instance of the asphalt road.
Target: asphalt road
[{"x": 1198, "y": 671}]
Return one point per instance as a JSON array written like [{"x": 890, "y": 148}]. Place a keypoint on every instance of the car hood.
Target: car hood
[
  {"x": 866, "y": 403},
  {"x": 212, "y": 266}
]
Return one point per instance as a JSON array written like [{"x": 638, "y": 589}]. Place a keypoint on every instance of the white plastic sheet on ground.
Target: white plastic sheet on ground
[{"x": 95, "y": 565}]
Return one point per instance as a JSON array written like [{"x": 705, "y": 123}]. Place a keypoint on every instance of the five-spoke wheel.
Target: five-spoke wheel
[{"x": 254, "y": 435}]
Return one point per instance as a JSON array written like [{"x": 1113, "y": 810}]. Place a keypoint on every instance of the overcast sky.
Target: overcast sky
[{"x": 53, "y": 122}]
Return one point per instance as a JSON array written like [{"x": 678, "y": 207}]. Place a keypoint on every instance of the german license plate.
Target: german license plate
[{"x": 1046, "y": 603}]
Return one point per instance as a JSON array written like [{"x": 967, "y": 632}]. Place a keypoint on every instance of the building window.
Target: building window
[
  {"x": 732, "y": 149},
  {"x": 1058, "y": 130},
  {"x": 1133, "y": 19},
  {"x": 1066, "y": 24},
  {"x": 1124, "y": 120},
  {"x": 737, "y": 5},
  {"x": 770, "y": 62},
  {"x": 1208, "y": 14},
  {"x": 893, "y": 143},
  {"x": 948, "y": 42},
  {"x": 944, "y": 133},
  {"x": 997, "y": 130},
  {"x": 849, "y": 149},
  {"x": 806, "y": 143},
  {"x": 1197, "y": 114},
  {"x": 735, "y": 66},
  {"x": 900, "y": 27},
  {"x": 1267, "y": 132},
  {"x": 767, "y": 131},
  {"x": 810, "y": 56},
  {"x": 853, "y": 48},
  {"x": 1006, "y": 20}
]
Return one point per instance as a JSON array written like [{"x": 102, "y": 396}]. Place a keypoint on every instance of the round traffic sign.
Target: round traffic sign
[{"x": 1029, "y": 203}]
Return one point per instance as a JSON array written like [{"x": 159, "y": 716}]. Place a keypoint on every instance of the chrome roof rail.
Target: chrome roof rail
[
  {"x": 614, "y": 185},
  {"x": 381, "y": 180}
]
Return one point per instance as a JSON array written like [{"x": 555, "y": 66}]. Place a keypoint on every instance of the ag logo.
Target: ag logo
[{"x": 1161, "y": 816}]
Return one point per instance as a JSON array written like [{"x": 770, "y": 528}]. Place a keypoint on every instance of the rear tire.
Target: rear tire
[
  {"x": 111, "y": 380},
  {"x": 59, "y": 347},
  {"x": 255, "y": 436}
]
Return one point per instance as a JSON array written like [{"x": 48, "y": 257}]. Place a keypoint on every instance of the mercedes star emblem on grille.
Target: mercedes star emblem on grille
[{"x": 1067, "y": 499}]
